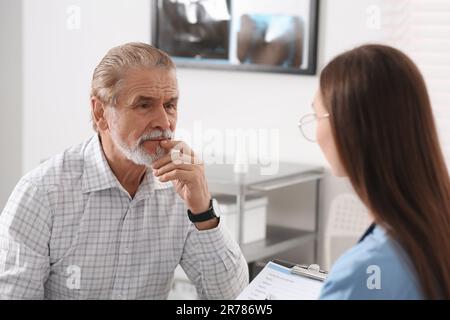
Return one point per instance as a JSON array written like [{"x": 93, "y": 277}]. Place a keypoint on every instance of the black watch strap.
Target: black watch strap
[{"x": 204, "y": 216}]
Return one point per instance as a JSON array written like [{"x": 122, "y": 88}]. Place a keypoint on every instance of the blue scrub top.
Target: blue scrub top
[{"x": 376, "y": 268}]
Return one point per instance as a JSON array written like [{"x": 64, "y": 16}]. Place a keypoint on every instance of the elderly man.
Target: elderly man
[{"x": 113, "y": 217}]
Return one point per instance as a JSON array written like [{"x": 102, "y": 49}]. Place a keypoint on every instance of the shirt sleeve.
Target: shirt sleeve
[
  {"x": 214, "y": 263},
  {"x": 25, "y": 227}
]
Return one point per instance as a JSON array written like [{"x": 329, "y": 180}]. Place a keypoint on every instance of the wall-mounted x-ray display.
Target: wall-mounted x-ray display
[{"x": 253, "y": 35}]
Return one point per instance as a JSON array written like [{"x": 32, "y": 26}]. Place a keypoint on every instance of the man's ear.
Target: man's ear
[{"x": 98, "y": 113}]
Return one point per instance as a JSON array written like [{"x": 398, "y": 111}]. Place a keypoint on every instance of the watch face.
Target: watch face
[{"x": 215, "y": 206}]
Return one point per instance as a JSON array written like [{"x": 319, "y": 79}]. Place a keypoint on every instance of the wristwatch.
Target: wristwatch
[{"x": 211, "y": 213}]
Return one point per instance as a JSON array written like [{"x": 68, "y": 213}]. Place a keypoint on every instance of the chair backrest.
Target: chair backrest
[{"x": 347, "y": 220}]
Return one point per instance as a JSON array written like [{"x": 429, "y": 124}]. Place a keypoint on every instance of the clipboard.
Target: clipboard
[
  {"x": 312, "y": 271},
  {"x": 285, "y": 281}
]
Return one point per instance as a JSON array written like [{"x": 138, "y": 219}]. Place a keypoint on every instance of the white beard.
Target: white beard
[{"x": 137, "y": 153}]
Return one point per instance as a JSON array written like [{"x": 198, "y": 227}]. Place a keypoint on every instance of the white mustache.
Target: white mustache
[{"x": 156, "y": 134}]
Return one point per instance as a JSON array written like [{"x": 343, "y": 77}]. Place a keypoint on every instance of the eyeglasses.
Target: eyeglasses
[{"x": 308, "y": 123}]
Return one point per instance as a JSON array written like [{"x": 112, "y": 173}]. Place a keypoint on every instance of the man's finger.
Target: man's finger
[
  {"x": 175, "y": 157},
  {"x": 177, "y": 174},
  {"x": 171, "y": 166},
  {"x": 161, "y": 162},
  {"x": 176, "y": 145},
  {"x": 169, "y": 144}
]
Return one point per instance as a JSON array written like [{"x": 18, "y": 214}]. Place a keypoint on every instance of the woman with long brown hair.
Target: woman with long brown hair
[{"x": 375, "y": 126}]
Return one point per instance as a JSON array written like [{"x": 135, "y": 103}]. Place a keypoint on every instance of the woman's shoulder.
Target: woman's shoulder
[{"x": 375, "y": 268}]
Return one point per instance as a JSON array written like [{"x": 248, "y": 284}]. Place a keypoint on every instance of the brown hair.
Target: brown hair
[
  {"x": 110, "y": 71},
  {"x": 384, "y": 130}
]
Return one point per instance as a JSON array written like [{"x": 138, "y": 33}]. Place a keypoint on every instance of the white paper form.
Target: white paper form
[{"x": 276, "y": 282}]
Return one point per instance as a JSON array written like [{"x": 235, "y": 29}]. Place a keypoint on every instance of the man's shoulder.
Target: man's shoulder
[{"x": 62, "y": 168}]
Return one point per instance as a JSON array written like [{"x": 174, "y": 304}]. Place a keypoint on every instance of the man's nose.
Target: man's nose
[{"x": 161, "y": 118}]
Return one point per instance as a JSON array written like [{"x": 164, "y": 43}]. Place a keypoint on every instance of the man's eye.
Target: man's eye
[
  {"x": 144, "y": 105},
  {"x": 171, "y": 106}
]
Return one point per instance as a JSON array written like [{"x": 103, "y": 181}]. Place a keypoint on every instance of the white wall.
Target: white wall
[
  {"x": 59, "y": 60},
  {"x": 59, "y": 63},
  {"x": 10, "y": 97}
]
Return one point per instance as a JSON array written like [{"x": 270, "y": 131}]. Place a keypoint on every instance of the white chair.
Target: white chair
[{"x": 348, "y": 219}]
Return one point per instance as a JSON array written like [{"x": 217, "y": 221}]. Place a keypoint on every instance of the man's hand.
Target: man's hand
[{"x": 188, "y": 175}]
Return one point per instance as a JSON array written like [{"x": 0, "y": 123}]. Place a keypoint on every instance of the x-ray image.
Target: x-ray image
[
  {"x": 254, "y": 35},
  {"x": 194, "y": 28},
  {"x": 275, "y": 40}
]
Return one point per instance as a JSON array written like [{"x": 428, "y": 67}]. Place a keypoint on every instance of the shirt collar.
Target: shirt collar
[
  {"x": 368, "y": 232},
  {"x": 97, "y": 175},
  {"x": 375, "y": 230}
]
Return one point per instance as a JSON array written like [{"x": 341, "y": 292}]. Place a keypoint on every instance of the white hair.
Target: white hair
[{"x": 110, "y": 71}]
